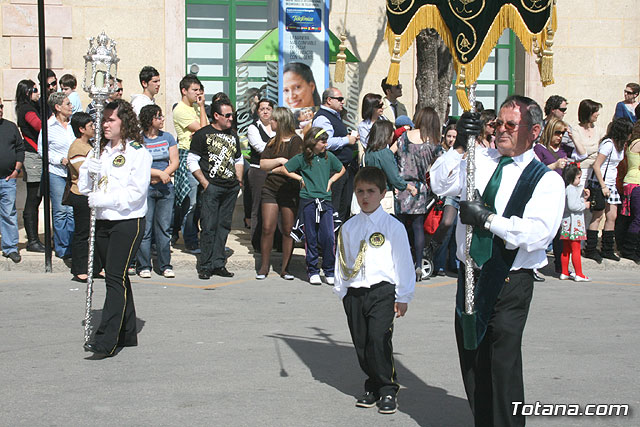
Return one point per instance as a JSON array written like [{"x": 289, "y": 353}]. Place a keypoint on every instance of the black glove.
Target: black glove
[
  {"x": 473, "y": 212},
  {"x": 468, "y": 125}
]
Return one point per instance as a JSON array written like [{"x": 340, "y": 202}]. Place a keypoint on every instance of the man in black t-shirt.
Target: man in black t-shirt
[{"x": 215, "y": 160}]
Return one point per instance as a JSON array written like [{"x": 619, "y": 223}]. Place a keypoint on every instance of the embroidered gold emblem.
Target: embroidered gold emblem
[
  {"x": 376, "y": 240},
  {"x": 119, "y": 161}
]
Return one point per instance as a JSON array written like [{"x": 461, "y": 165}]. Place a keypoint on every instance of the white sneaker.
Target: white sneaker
[
  {"x": 581, "y": 279},
  {"x": 330, "y": 280},
  {"x": 168, "y": 273},
  {"x": 145, "y": 274},
  {"x": 565, "y": 277},
  {"x": 315, "y": 279}
]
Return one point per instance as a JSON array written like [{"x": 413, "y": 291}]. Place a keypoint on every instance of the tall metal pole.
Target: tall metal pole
[
  {"x": 44, "y": 112},
  {"x": 469, "y": 284}
]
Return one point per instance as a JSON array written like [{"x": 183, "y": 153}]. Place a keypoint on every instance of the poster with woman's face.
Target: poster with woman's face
[
  {"x": 303, "y": 67},
  {"x": 299, "y": 88}
]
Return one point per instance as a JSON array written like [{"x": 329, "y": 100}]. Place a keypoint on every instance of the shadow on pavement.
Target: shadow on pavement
[{"x": 335, "y": 364}]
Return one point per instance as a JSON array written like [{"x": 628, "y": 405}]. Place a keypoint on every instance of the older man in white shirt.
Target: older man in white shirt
[{"x": 517, "y": 218}]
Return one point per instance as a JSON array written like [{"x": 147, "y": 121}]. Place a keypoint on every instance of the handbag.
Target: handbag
[
  {"x": 597, "y": 201},
  {"x": 67, "y": 189}
]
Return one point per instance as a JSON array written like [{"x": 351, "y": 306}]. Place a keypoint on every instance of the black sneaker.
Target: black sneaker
[
  {"x": 204, "y": 275},
  {"x": 387, "y": 405},
  {"x": 367, "y": 400},
  {"x": 13, "y": 256},
  {"x": 222, "y": 272}
]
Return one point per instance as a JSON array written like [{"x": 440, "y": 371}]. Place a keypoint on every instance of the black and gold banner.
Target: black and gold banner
[{"x": 471, "y": 29}]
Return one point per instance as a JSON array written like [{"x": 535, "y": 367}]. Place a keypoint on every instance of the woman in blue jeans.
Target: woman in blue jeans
[
  {"x": 164, "y": 150},
  {"x": 60, "y": 136}
]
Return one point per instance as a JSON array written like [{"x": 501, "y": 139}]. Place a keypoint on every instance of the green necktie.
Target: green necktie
[{"x": 482, "y": 242}]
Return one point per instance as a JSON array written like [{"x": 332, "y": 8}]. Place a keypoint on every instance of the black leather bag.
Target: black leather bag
[{"x": 597, "y": 201}]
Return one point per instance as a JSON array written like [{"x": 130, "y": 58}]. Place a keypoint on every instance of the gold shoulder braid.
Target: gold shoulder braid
[{"x": 346, "y": 272}]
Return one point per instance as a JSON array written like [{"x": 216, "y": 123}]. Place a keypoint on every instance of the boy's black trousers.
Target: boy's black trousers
[{"x": 370, "y": 317}]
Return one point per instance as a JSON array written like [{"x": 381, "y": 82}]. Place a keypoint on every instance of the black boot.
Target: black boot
[
  {"x": 590, "y": 250},
  {"x": 631, "y": 249},
  {"x": 607, "y": 246},
  {"x": 33, "y": 242}
]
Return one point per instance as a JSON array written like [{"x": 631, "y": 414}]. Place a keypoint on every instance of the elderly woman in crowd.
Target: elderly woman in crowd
[
  {"x": 30, "y": 124},
  {"x": 60, "y": 135},
  {"x": 123, "y": 177},
  {"x": 164, "y": 150},
  {"x": 605, "y": 172},
  {"x": 279, "y": 193}
]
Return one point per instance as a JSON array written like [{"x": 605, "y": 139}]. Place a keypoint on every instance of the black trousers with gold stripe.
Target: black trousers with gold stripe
[
  {"x": 117, "y": 243},
  {"x": 370, "y": 317}
]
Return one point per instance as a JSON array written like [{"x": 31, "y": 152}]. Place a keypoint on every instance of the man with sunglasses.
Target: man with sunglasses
[
  {"x": 50, "y": 87},
  {"x": 342, "y": 144},
  {"x": 11, "y": 160},
  {"x": 216, "y": 161},
  {"x": 514, "y": 221},
  {"x": 392, "y": 107}
]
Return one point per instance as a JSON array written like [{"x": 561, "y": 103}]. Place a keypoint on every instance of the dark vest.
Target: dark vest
[
  {"x": 254, "y": 156},
  {"x": 346, "y": 153},
  {"x": 495, "y": 271}
]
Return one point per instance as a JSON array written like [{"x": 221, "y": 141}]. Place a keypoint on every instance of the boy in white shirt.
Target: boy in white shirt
[{"x": 375, "y": 279}]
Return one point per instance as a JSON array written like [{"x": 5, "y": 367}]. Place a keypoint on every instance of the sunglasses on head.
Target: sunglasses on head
[
  {"x": 509, "y": 126},
  {"x": 563, "y": 109},
  {"x": 338, "y": 98}
]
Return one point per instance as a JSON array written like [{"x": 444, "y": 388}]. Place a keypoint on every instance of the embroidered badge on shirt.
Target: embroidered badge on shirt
[
  {"x": 119, "y": 161},
  {"x": 376, "y": 240}
]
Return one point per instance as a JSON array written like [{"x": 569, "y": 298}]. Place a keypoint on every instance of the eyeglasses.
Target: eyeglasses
[
  {"x": 509, "y": 126},
  {"x": 559, "y": 133},
  {"x": 492, "y": 124},
  {"x": 563, "y": 109},
  {"x": 381, "y": 105},
  {"x": 33, "y": 90},
  {"x": 119, "y": 89},
  {"x": 159, "y": 117},
  {"x": 338, "y": 98},
  {"x": 53, "y": 83},
  {"x": 226, "y": 116},
  {"x": 628, "y": 92},
  {"x": 398, "y": 87}
]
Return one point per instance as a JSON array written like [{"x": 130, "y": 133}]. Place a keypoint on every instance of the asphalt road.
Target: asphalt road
[{"x": 242, "y": 352}]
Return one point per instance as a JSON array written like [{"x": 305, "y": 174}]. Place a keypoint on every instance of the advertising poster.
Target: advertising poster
[{"x": 303, "y": 66}]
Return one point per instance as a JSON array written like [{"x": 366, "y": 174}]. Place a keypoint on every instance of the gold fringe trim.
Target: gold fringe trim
[
  {"x": 393, "y": 77},
  {"x": 428, "y": 16},
  {"x": 341, "y": 61},
  {"x": 461, "y": 90}
]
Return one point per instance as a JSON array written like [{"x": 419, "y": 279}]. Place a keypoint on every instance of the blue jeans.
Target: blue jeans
[
  {"x": 319, "y": 234},
  {"x": 158, "y": 223},
  {"x": 63, "y": 224},
  {"x": 8, "y": 216}
]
